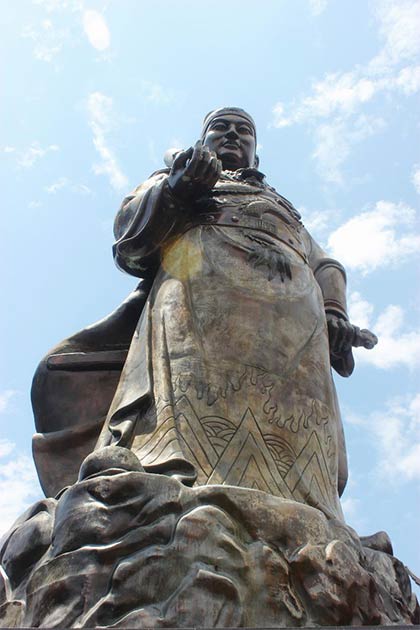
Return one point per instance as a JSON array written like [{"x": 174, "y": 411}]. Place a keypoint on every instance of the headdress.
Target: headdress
[{"x": 235, "y": 111}]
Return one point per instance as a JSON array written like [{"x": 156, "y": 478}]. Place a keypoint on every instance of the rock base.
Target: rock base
[{"x": 125, "y": 549}]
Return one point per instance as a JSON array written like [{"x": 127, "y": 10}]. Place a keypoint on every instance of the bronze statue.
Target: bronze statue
[
  {"x": 191, "y": 441},
  {"x": 227, "y": 378}
]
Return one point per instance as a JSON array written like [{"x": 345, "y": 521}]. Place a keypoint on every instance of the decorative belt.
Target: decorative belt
[{"x": 236, "y": 217}]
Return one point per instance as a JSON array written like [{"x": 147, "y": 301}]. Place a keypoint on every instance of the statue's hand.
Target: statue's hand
[
  {"x": 194, "y": 172},
  {"x": 343, "y": 335}
]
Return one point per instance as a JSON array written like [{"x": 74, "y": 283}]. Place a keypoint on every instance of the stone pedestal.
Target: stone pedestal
[{"x": 125, "y": 549}]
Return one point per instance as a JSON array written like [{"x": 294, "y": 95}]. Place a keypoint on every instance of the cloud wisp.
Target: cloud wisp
[
  {"x": 64, "y": 183},
  {"x": 19, "y": 486},
  {"x": 61, "y": 27},
  {"x": 399, "y": 344},
  {"x": 395, "y": 432},
  {"x": 415, "y": 178},
  {"x": 35, "y": 152},
  {"x": 156, "y": 93},
  {"x": 384, "y": 236},
  {"x": 318, "y": 6},
  {"x": 96, "y": 29},
  {"x": 99, "y": 107},
  {"x": 334, "y": 108},
  {"x": 6, "y": 397},
  {"x": 47, "y": 40}
]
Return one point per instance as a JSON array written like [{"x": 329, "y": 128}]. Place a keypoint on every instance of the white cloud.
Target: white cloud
[
  {"x": 334, "y": 142},
  {"x": 96, "y": 29},
  {"x": 396, "y": 435},
  {"x": 82, "y": 189},
  {"x": 5, "y": 398},
  {"x": 50, "y": 35},
  {"x": 47, "y": 40},
  {"x": 6, "y": 447},
  {"x": 33, "y": 153},
  {"x": 333, "y": 108},
  {"x": 415, "y": 178},
  {"x": 19, "y": 485},
  {"x": 176, "y": 143},
  {"x": 64, "y": 182},
  {"x": 407, "y": 80},
  {"x": 398, "y": 346},
  {"x": 318, "y": 222},
  {"x": 399, "y": 26},
  {"x": 336, "y": 94},
  {"x": 100, "y": 121},
  {"x": 156, "y": 93},
  {"x": 376, "y": 238},
  {"x": 318, "y": 6},
  {"x": 360, "y": 310},
  {"x": 59, "y": 5}
]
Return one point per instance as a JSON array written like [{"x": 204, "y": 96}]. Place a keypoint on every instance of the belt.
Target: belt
[{"x": 269, "y": 223}]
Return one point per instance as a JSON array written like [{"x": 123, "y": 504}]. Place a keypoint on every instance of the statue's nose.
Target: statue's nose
[{"x": 232, "y": 133}]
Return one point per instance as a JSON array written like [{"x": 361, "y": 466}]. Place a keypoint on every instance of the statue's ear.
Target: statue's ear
[{"x": 256, "y": 161}]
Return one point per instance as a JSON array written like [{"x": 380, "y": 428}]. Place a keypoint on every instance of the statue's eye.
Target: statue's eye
[
  {"x": 244, "y": 129},
  {"x": 219, "y": 126}
]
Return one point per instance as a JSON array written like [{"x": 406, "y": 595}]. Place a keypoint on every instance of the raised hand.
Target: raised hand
[
  {"x": 194, "y": 172},
  {"x": 343, "y": 335}
]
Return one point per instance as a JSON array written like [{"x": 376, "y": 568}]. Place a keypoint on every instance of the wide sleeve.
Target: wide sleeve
[
  {"x": 147, "y": 219},
  {"x": 331, "y": 277}
]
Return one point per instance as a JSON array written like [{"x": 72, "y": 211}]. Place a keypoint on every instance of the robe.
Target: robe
[{"x": 228, "y": 376}]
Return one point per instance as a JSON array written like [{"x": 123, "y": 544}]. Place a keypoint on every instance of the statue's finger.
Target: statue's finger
[
  {"x": 209, "y": 169},
  {"x": 195, "y": 159},
  {"x": 182, "y": 158},
  {"x": 368, "y": 339}
]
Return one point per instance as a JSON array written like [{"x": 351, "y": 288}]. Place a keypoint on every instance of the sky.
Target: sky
[{"x": 92, "y": 95}]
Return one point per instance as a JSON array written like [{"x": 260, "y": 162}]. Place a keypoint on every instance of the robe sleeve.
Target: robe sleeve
[
  {"x": 147, "y": 219},
  {"x": 331, "y": 277}
]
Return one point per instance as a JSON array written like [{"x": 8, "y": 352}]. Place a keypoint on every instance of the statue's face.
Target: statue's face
[{"x": 232, "y": 139}]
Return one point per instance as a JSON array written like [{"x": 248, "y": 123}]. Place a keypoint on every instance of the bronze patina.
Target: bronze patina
[{"x": 190, "y": 444}]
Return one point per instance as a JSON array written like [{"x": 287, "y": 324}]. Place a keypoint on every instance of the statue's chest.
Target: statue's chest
[{"x": 252, "y": 211}]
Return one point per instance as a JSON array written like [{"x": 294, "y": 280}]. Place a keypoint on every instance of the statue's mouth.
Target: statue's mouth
[{"x": 231, "y": 145}]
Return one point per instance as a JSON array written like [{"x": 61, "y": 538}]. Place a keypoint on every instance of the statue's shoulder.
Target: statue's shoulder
[{"x": 285, "y": 202}]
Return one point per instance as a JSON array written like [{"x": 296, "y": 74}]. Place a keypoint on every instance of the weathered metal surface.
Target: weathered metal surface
[
  {"x": 214, "y": 373},
  {"x": 128, "y": 549}
]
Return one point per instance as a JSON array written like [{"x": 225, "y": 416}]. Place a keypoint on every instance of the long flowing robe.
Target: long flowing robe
[{"x": 228, "y": 377}]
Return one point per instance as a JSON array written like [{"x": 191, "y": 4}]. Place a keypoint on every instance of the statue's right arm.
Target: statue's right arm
[
  {"x": 158, "y": 209},
  {"x": 146, "y": 220}
]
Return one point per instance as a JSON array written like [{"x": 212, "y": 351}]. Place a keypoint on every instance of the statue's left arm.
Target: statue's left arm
[{"x": 331, "y": 277}]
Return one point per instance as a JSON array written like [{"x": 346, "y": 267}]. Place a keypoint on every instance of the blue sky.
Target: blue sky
[{"x": 92, "y": 95}]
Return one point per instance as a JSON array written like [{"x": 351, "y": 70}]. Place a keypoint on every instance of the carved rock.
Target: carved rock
[{"x": 124, "y": 548}]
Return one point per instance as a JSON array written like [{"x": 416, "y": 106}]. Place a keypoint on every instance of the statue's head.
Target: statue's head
[{"x": 230, "y": 132}]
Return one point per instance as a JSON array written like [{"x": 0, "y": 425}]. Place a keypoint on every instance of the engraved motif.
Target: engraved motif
[
  {"x": 238, "y": 452},
  {"x": 283, "y": 454},
  {"x": 263, "y": 254},
  {"x": 219, "y": 431}
]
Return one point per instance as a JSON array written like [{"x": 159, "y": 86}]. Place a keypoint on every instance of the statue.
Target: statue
[
  {"x": 192, "y": 439},
  {"x": 241, "y": 299}
]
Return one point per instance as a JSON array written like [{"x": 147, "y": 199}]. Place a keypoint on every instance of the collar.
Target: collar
[{"x": 244, "y": 174}]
